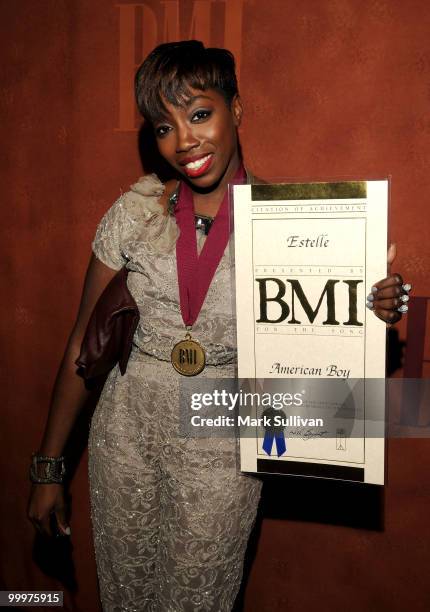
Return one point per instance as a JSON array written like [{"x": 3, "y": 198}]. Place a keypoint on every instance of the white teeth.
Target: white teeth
[{"x": 195, "y": 165}]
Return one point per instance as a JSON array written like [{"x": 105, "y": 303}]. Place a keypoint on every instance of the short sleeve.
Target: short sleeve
[{"x": 107, "y": 242}]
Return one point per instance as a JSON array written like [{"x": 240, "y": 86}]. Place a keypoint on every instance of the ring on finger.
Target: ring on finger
[{"x": 403, "y": 308}]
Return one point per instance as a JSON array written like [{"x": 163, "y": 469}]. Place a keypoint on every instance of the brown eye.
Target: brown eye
[
  {"x": 162, "y": 130},
  {"x": 200, "y": 115}
]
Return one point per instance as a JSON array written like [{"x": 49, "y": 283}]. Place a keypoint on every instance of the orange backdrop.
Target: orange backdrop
[{"x": 330, "y": 88}]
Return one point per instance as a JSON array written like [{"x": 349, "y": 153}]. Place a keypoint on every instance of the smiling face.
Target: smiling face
[{"x": 199, "y": 139}]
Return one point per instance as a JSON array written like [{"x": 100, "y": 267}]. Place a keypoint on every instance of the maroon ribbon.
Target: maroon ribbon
[{"x": 195, "y": 273}]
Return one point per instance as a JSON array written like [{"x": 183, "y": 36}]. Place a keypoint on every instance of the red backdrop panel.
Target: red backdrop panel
[{"x": 330, "y": 89}]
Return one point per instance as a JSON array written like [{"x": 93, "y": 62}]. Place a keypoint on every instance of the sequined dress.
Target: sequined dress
[{"x": 171, "y": 516}]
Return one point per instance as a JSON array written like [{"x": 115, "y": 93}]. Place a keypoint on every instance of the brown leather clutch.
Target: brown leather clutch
[{"x": 109, "y": 334}]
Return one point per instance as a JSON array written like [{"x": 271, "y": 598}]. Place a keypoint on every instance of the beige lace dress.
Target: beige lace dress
[{"x": 171, "y": 516}]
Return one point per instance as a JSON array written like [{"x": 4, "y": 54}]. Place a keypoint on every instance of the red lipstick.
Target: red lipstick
[{"x": 195, "y": 172}]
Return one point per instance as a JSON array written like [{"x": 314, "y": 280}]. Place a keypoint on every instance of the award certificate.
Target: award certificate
[{"x": 306, "y": 255}]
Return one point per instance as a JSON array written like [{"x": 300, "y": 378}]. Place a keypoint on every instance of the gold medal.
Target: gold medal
[{"x": 188, "y": 357}]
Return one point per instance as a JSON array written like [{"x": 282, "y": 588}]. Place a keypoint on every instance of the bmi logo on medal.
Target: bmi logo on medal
[{"x": 188, "y": 357}]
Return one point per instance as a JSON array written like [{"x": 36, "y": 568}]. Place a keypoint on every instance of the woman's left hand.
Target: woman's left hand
[{"x": 389, "y": 295}]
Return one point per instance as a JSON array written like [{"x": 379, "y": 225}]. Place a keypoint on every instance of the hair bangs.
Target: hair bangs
[{"x": 173, "y": 70}]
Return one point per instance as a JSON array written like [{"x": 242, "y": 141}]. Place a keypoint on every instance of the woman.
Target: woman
[{"x": 171, "y": 516}]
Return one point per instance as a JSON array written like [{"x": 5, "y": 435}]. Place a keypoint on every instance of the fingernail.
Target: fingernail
[
  {"x": 403, "y": 308},
  {"x": 67, "y": 531},
  {"x": 407, "y": 287},
  {"x": 374, "y": 289},
  {"x": 370, "y": 297},
  {"x": 369, "y": 305},
  {"x": 404, "y": 298}
]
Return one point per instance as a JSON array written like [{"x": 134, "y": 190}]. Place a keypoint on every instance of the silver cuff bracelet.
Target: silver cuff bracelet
[{"x": 53, "y": 470}]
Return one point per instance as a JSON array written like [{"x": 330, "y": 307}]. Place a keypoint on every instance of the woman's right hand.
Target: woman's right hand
[
  {"x": 45, "y": 500},
  {"x": 68, "y": 399}
]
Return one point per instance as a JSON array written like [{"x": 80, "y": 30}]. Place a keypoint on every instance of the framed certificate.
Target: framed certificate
[{"x": 306, "y": 256}]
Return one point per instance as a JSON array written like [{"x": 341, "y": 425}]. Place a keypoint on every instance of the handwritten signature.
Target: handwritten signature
[{"x": 305, "y": 433}]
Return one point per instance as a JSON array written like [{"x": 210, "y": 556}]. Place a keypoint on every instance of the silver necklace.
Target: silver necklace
[{"x": 202, "y": 222}]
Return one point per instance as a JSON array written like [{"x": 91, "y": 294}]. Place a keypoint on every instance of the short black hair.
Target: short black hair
[{"x": 171, "y": 69}]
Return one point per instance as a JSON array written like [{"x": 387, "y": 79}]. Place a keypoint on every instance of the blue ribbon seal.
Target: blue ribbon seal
[{"x": 274, "y": 433}]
